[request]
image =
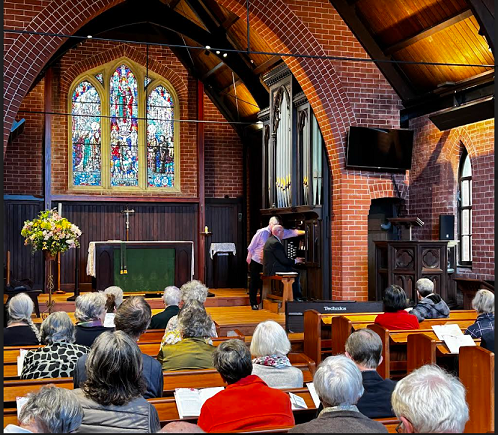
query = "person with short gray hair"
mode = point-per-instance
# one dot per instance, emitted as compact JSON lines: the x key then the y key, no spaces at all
{"x":117,"y":292}
{"x":364,"y":348}
{"x":484,"y":304}
{"x":171,"y":298}
{"x":247,"y":403}
{"x":20,"y":330}
{"x":269,"y":348}
{"x":90,"y":315}
{"x":430,"y":400}
{"x":192,"y":352}
{"x":339,"y":386}
{"x":49,"y":410}
{"x":59,"y":357}
{"x":429,"y":305}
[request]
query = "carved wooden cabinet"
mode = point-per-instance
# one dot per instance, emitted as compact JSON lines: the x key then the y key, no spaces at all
{"x":404,"y":262}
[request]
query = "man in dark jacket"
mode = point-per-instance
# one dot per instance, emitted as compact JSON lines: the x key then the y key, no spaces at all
{"x":364,"y":347}
{"x":132,"y":317}
{"x":171,"y":298}
{"x":276,"y":260}
{"x":430,"y":305}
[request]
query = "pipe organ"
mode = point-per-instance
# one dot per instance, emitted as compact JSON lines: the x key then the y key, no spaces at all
{"x":296,"y":178}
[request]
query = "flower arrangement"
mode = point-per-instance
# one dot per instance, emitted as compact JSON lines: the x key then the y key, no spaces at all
{"x":50,"y":232}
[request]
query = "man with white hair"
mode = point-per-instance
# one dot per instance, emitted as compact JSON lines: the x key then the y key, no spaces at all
{"x":430,"y":305}
{"x":171,"y":298}
{"x":338,"y":384}
{"x":255,"y":256}
{"x":430,"y":400}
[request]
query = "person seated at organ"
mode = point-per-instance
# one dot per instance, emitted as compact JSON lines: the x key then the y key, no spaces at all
{"x":191,"y":291}
{"x":171,"y":298}
{"x":247,"y":403}
{"x":484,"y":304}
{"x":364,"y":348}
{"x":394,"y":316}
{"x":132,"y":317}
{"x":90,"y":315}
{"x":20,"y":330}
{"x":112,"y":396}
{"x":269,"y":348}
{"x":49,"y":410}
{"x":192,"y":351}
{"x":429,"y":305}
{"x":58,"y":358}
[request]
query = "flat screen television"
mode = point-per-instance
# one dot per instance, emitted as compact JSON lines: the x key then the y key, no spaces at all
{"x":379,"y":149}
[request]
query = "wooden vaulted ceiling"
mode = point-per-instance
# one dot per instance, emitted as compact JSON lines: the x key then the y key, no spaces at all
{"x":443,"y":31}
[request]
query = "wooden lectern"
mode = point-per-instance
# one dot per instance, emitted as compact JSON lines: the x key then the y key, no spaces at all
{"x":406,"y":224}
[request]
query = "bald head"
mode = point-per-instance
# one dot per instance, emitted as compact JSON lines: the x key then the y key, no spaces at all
{"x":278,"y":231}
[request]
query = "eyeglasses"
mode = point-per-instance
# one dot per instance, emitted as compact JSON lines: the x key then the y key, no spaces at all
{"x":399,"y":427}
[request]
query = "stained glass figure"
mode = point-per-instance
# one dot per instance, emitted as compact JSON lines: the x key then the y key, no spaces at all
{"x":147,"y":81}
{"x":124,"y":127}
{"x":100,"y":77}
{"x":86,"y":135}
{"x":160,"y":139}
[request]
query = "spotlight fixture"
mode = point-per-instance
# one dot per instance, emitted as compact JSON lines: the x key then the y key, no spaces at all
{"x":208,"y":47}
{"x":225,"y":55}
{"x":89,"y":36}
{"x":217,"y":51}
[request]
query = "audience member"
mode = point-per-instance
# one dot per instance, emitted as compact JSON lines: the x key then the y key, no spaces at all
{"x":58,"y":358}
{"x":247,"y":403}
{"x":429,"y":400}
{"x":171,"y":298}
{"x":90,"y":315}
{"x":114,"y":296}
{"x":49,"y":410}
{"x":338,"y":384}
{"x":20,"y":330}
{"x":111,"y":397}
{"x":132,"y":317}
{"x":117,"y":292}
{"x":484,"y":304}
{"x":488,"y":340}
{"x":191,"y":291}
{"x":181,"y":427}
{"x":395,"y":316}
{"x":269,"y":348}
{"x":364,"y":347}
{"x":192,"y":352}
{"x":429,"y":305}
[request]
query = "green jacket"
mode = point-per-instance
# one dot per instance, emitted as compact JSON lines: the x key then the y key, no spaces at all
{"x":190,"y":353}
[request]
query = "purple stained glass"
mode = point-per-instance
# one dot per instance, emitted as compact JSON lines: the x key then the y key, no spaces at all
{"x":86,"y":135}
{"x":124,"y":127}
{"x":160,"y":139}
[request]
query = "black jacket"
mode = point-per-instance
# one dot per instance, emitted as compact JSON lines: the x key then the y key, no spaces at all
{"x":86,"y":335}
{"x":275,"y":259}
{"x":152,"y":374}
{"x":376,"y":400}
{"x":160,"y":320}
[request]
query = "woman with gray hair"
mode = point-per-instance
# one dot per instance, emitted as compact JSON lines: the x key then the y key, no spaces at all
{"x":90,"y":315}
{"x":191,"y":291}
{"x":192,"y":352}
{"x":339,"y":386}
{"x":484,"y":304}
{"x":20,"y":330}
{"x":114,"y":296}
{"x":59,"y":357}
{"x":269,"y":348}
{"x":171,"y":298}
{"x":49,"y":410}
{"x":112,"y":396}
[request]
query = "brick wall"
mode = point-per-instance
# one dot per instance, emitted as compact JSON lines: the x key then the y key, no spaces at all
{"x":434,"y":183}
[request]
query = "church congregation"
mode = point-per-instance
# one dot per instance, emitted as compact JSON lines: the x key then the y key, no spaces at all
{"x":248,"y":216}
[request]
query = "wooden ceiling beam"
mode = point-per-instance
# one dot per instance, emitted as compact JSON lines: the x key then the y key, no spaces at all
{"x":428,"y":32}
{"x":174,"y":4}
{"x":212,"y":71}
{"x":266,"y":65}
{"x":484,"y":11}
{"x":230,"y":87}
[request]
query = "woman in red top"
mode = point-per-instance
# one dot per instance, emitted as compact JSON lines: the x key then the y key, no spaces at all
{"x":395,"y":317}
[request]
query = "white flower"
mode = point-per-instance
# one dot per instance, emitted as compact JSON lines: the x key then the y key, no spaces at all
{"x":70,"y":242}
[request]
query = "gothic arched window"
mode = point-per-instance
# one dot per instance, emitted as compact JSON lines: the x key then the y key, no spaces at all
{"x":137,"y":145}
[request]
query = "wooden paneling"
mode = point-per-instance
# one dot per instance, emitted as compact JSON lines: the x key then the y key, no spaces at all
{"x":23,"y":264}
{"x":104,"y":221}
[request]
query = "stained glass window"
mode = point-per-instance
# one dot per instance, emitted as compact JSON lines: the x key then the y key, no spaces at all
{"x":100,"y":77}
{"x":160,"y":138}
{"x":86,"y":135}
{"x":124,"y":127}
{"x":147,"y":81}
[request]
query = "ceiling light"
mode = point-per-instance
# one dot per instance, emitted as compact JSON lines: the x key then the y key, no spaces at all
{"x":217,"y":51}
{"x":225,"y":55}
{"x":208,"y":47}
{"x":89,"y":36}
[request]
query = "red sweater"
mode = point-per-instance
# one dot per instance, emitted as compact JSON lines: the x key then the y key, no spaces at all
{"x":398,"y":320}
{"x":246,"y":405}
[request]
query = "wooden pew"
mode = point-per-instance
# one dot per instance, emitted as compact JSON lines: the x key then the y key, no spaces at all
{"x":477,"y":373}
{"x":390,"y":423}
{"x":152,"y":335}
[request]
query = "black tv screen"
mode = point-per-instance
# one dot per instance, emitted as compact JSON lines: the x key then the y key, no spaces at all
{"x":379,"y":149}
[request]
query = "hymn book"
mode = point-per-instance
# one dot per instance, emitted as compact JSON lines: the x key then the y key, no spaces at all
{"x":314,"y":395}
{"x":297,"y":402}
{"x":453,"y":337}
{"x":189,"y":401}
{"x":20,"y":360}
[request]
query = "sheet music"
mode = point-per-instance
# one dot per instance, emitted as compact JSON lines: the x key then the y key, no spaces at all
{"x":453,"y":337}
{"x":314,"y":395}
{"x":189,"y":401}
{"x":20,"y":361}
{"x":297,"y":402}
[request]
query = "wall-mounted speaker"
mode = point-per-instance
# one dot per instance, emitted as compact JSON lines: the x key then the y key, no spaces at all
{"x":446,"y":227}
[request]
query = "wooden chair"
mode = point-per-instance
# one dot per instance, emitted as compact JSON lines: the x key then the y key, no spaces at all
{"x":477,"y":373}
{"x":287,"y":294}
